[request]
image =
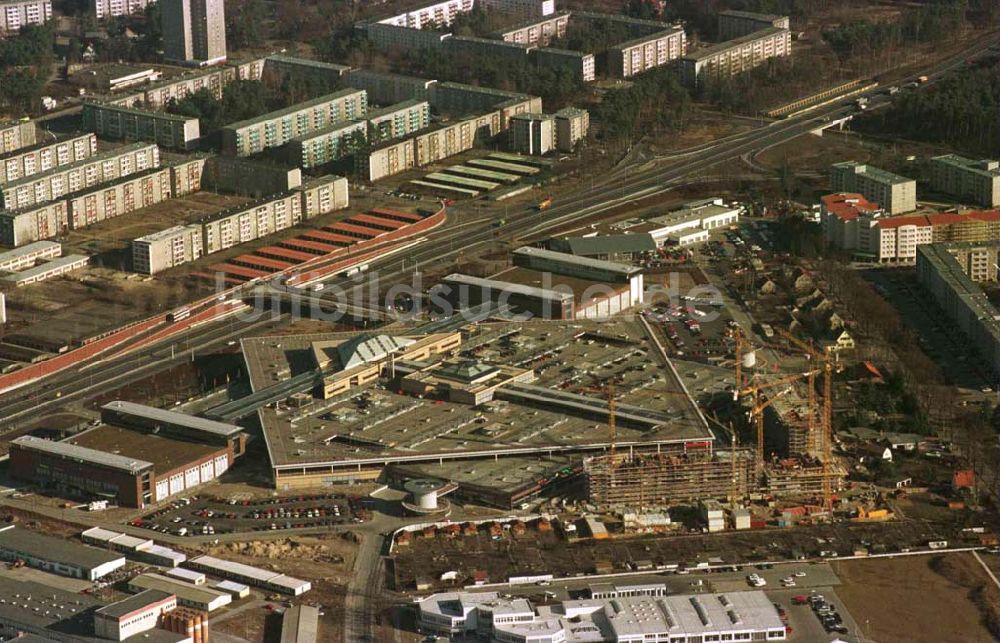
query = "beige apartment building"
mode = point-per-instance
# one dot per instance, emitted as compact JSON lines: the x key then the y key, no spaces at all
{"x":537,"y":31}
{"x":15,"y":14}
{"x":171,"y":131}
{"x":194,"y":31}
{"x":641,"y":54}
{"x":572,"y":125}
{"x":165,"y":249}
{"x":16,"y":134}
{"x":277,"y":128}
{"x":43,"y":157}
{"x":735,"y":56}
{"x":254,"y":220}
{"x":978,"y":182}
{"x":533,"y":134}
{"x":896,"y":194}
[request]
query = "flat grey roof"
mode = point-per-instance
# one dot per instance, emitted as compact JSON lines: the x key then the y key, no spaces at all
{"x":172,"y":417}
{"x":38,"y":545}
{"x":134,"y":603}
{"x":300,"y":625}
{"x":583,"y":262}
{"x":100,"y":157}
{"x":507,"y":286}
{"x":83,"y":454}
{"x":57,"y":608}
{"x":294,"y":109}
{"x":751,"y":15}
{"x":609,"y":244}
{"x":47,"y":267}
{"x":166,"y":116}
{"x":28,"y":249}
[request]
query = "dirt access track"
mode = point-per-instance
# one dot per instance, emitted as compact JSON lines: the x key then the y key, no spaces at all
{"x":945,"y":599}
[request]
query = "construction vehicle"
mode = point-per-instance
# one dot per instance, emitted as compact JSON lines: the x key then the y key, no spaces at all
{"x":544,"y":204}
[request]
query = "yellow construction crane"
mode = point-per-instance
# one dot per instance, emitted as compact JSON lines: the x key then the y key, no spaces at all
{"x":826,"y":418}
{"x":754,"y":389}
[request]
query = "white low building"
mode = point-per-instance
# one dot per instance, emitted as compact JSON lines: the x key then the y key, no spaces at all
{"x":691,"y":222}
{"x":733,"y":616}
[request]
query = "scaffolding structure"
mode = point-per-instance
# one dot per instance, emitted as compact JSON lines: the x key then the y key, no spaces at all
{"x":679,"y":475}
{"x":802,"y":476}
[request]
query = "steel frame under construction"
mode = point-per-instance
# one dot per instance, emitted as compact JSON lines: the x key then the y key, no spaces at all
{"x":673,"y":475}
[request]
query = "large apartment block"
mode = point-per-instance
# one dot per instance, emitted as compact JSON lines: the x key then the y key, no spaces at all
{"x":735,"y":56}
{"x":323,"y":194}
{"x":194,"y":31}
{"x":34,"y":223}
{"x":386,"y":89}
{"x":386,"y":36}
{"x":159,"y":94}
{"x":112,"y":8}
{"x":165,"y":249}
{"x":734,"y":24}
{"x":641,"y":54}
{"x":16,"y":134}
{"x":572,"y":125}
{"x":962,"y":299}
{"x":895,"y":193}
{"x":171,"y":131}
{"x":15,"y":14}
{"x":580,"y":64}
{"x":46,"y":156}
{"x":398,"y":120}
{"x":120,"y":197}
{"x":433,"y":15}
{"x":277,"y":128}
{"x":251,"y":221}
{"x":58,"y":182}
{"x":536,"y":31}
{"x":533,"y":133}
{"x":279,"y":68}
{"x":978,"y":182}
{"x":327,"y":145}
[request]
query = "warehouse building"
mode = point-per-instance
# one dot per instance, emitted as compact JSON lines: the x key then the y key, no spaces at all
{"x":265,"y":579}
{"x":536,"y":31}
{"x":133,"y":615}
{"x":466,"y":291}
{"x":188,"y":595}
{"x":15,"y":135}
{"x":532,"y":134}
{"x":570,"y":265}
{"x":692,"y":222}
{"x":398,"y":120}
{"x":73,"y":177}
{"x":118,"y":197}
{"x":15,"y":14}
{"x":896,"y":194}
{"x":167,"y":454}
{"x":150,"y":419}
{"x":171,"y":131}
{"x":735,"y":56}
{"x":300,"y":624}
{"x":141,"y":549}
{"x":977,"y":182}
{"x":47,"y":270}
{"x":56,"y":555}
{"x":613,"y":247}
{"x":735,"y":24}
{"x":579,"y":63}
{"x":733,"y":616}
{"x":274,"y":129}
{"x":165,"y":249}
{"x":29,"y":255}
{"x":45,"y":156}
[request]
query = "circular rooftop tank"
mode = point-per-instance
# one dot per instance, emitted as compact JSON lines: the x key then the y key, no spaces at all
{"x":424,"y":492}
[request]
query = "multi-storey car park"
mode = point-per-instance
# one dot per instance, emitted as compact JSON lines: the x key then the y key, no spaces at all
{"x":552,"y":405}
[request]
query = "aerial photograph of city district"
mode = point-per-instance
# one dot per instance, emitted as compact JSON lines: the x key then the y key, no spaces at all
{"x":499,"y":321}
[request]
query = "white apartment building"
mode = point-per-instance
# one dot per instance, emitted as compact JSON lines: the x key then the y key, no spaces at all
{"x":636,"y":56}
{"x":533,"y":133}
{"x":978,"y":182}
{"x":735,"y":56}
{"x":896,"y":194}
{"x":165,"y":249}
{"x":15,"y":14}
{"x":112,"y":8}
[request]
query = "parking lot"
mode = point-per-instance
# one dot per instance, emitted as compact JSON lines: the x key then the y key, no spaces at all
{"x":207,"y":516}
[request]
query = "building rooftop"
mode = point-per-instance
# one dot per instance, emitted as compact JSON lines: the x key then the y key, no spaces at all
{"x":848,"y":206}
{"x":165,"y":234}
{"x":95,"y":159}
{"x":705,"y":53}
{"x":167,"y":116}
{"x":608,"y":244}
{"x":763,"y":17}
{"x":982,"y":167}
{"x":31,"y":248}
{"x":874,"y":173}
{"x":524,"y":24}
{"x":62,"y":615}
{"x":173,"y":418}
{"x":165,"y":454}
{"x":625,"y":270}
{"x":965,"y":290}
{"x":46,"y":267}
{"x":181,"y":589}
{"x":84,"y":454}
{"x":141,"y":601}
{"x":669,"y":30}
{"x":70,"y":554}
{"x":307,"y":62}
{"x":294,"y":109}
{"x":48,"y":142}
{"x":396,"y":107}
